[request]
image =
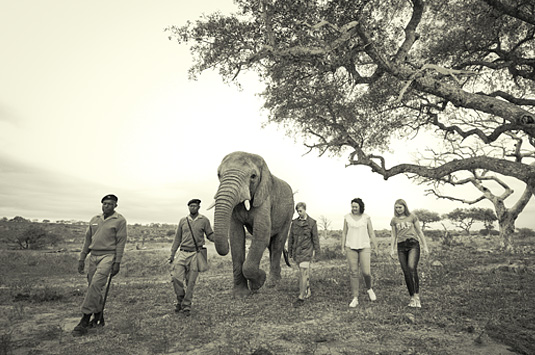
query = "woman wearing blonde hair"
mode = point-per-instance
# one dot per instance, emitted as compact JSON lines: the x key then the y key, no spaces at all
{"x":407,"y":236}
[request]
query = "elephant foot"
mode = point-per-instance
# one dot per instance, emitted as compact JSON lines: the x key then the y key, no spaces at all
{"x":259,"y":282}
{"x":273,"y":281}
{"x":241,"y":291}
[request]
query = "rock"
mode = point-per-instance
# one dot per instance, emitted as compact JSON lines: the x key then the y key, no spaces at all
{"x":409,"y":318}
{"x":437,"y":263}
{"x":512,"y":267}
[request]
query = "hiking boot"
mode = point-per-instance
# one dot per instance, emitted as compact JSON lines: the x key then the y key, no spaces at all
{"x":413,"y":303}
{"x":371,"y":295}
{"x":354,"y":303}
{"x":81,"y":328}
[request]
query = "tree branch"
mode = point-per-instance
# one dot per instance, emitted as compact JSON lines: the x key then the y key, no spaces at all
{"x":511,"y":11}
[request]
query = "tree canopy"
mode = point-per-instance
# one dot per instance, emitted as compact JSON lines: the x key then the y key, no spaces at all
{"x":352,"y":76}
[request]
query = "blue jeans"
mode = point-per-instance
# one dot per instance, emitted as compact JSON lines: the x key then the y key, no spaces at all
{"x":409,"y":255}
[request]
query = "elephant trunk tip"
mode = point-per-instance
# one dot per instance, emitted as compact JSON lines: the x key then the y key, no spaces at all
{"x":222,"y":248}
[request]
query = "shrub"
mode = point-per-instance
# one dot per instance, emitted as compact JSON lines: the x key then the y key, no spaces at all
{"x":36,"y":237}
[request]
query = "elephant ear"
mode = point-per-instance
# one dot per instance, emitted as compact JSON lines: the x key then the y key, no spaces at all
{"x":264,"y":186}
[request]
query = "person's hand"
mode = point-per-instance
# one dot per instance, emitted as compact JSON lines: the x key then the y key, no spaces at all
{"x":81,"y":266}
{"x":115,"y":268}
{"x":171,"y":259}
{"x":343,"y":251}
{"x":392,"y":253}
{"x":426,"y":250}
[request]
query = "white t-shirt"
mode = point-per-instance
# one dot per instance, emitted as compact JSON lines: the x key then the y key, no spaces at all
{"x":357,"y":232}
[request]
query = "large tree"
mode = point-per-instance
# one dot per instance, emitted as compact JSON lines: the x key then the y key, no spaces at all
{"x":354,"y":76}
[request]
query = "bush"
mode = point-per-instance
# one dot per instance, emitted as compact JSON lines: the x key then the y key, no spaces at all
{"x":35,"y":237}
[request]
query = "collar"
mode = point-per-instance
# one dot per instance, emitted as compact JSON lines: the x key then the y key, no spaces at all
{"x":199,"y":216}
{"x":113,"y":215}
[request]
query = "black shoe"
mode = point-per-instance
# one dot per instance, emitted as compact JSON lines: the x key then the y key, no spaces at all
{"x":81,"y":328}
{"x":187,"y":312}
{"x":178,"y":307}
{"x":299,"y":302}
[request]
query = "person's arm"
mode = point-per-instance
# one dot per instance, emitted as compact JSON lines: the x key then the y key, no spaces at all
{"x":344,"y":235}
{"x":420,"y":234}
{"x":208,"y":231}
{"x":121,"y":237}
{"x":393,"y":241}
{"x":176,"y":243}
{"x":87,"y":242}
{"x":290,"y":242}
{"x":316,"y":239}
{"x":85,"y":249}
{"x":371,"y":234}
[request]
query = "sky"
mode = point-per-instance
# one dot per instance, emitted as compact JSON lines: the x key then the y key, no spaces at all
{"x":95,"y":99}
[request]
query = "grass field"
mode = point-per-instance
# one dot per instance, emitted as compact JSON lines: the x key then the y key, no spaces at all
{"x":477,"y":302}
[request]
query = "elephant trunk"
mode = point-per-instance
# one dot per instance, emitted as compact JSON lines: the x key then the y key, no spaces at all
{"x":229,"y":194}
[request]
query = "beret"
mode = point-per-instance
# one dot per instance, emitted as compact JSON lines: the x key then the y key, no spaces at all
{"x":110,"y":197}
{"x":195,"y":200}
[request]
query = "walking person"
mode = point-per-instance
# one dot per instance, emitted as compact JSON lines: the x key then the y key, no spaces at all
{"x":407,"y":237}
{"x":356,"y":237}
{"x":189,"y":237}
{"x":105,"y":240}
{"x":303,"y":246}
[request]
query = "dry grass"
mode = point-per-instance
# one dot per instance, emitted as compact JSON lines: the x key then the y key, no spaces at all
{"x":468,"y":307}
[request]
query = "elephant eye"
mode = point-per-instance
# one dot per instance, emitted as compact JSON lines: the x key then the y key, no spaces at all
{"x":253,"y":176}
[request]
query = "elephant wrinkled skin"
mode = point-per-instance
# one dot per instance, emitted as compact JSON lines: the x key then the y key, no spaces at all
{"x":250,"y":196}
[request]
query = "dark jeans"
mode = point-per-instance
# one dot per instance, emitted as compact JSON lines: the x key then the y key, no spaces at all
{"x":409,"y":255}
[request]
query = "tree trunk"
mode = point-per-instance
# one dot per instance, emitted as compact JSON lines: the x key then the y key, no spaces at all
{"x":507,"y":229}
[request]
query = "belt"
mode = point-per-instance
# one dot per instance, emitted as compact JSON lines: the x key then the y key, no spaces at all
{"x":188,"y":250}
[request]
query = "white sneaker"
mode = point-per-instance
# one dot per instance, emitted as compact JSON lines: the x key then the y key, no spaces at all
{"x":417,"y":301}
{"x":354,"y":303}
{"x":372,"y":295}
{"x":412,"y":303}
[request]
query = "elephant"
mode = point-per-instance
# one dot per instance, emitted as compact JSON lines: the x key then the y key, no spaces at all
{"x":250,"y":197}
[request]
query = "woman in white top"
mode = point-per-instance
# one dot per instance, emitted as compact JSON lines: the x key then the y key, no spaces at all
{"x":356,"y":237}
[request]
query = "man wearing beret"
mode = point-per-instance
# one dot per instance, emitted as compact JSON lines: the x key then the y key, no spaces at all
{"x":105,"y":240}
{"x":182,"y":275}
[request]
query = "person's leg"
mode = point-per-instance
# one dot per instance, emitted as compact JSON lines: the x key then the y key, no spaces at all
{"x":178,"y":274}
{"x":191,"y":279}
{"x":353,"y":263}
{"x":412,"y":265}
{"x":365,"y":261}
{"x":303,"y":279}
{"x":99,"y":270}
{"x":403,"y":256}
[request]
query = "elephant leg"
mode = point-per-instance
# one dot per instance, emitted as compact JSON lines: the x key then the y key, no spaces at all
{"x":275,"y":252}
{"x":251,"y":267}
{"x":237,"y":248}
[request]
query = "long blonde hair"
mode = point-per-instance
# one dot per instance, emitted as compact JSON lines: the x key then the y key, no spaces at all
{"x":404,"y":204}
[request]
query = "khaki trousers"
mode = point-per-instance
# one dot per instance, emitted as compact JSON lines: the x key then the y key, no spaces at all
{"x":97,"y":276}
{"x":184,"y":278}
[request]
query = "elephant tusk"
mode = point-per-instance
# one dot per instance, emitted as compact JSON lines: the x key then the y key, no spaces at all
{"x":247,"y":205}
{"x":211,"y":206}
